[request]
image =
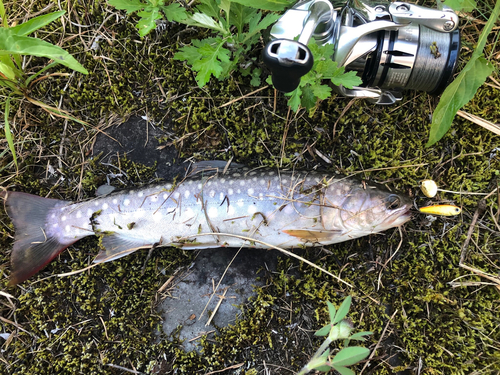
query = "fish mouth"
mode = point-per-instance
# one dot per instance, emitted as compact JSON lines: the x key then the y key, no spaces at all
{"x":399,"y":217}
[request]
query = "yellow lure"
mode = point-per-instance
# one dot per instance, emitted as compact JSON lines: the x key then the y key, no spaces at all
{"x":441,"y":209}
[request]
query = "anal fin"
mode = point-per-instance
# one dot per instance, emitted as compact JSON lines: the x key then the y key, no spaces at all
{"x":116,"y":246}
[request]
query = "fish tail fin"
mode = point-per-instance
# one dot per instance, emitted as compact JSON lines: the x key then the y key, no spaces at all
{"x":32,"y":249}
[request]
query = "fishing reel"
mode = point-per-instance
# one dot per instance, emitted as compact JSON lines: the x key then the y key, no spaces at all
{"x":392,"y":46}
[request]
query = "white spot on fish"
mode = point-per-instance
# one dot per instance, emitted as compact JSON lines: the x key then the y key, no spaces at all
{"x":252,"y":173}
{"x":177,"y":195}
{"x":140,"y":194}
{"x":242,"y":183}
{"x":212,"y":193}
{"x":262,"y":182}
{"x":105,"y":206}
{"x":222,"y":180}
{"x":271,"y":173}
{"x":115,"y":201}
{"x":189,"y":212}
{"x":96,"y":203}
{"x":209,"y":183}
{"x":230,"y":191}
{"x":154,"y":198}
{"x":63,"y":218}
{"x":165,"y":196}
{"x":89,"y":212}
{"x":79,"y":214}
{"x":250,"y":191}
{"x":190,"y":182}
{"x":221,"y":196}
{"x":230,"y":210}
{"x":254,"y":179}
{"x":212,"y":212}
{"x":284,"y":181}
{"x":236,"y":175}
{"x":126,"y":202}
{"x":53,"y":216}
{"x":67,"y":228}
{"x":231,"y":182}
{"x":308,"y":179}
{"x":240,"y":203}
{"x":200,"y":186}
{"x":238,"y":191}
{"x":186,"y":194}
{"x":261,"y":196}
{"x":252,"y":209}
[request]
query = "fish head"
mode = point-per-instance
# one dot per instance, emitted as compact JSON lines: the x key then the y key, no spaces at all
{"x":363,"y":208}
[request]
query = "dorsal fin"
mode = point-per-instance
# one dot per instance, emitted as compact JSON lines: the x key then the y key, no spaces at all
{"x":213,"y":166}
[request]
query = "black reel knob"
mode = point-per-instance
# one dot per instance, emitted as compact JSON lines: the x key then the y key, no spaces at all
{"x":289,"y":61}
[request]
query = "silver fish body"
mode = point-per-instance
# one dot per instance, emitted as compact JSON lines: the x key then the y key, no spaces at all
{"x":249,"y":208}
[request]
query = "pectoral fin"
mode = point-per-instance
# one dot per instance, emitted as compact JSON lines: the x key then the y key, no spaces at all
{"x":116,"y":246}
{"x":308,"y":235}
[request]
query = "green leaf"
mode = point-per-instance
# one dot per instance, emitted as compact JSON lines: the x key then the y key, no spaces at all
{"x":174,"y":12}
{"x":23,"y":45}
{"x":331,"y":311}
{"x":241,"y":16}
{"x":349,"y":79}
{"x":207,"y":57}
{"x":203,"y":20}
{"x":34,"y":24}
{"x":147,"y":21}
{"x":359,"y":335}
{"x":276,"y":5}
{"x":8,"y":68}
{"x":225,"y":5}
{"x":461,"y":5}
{"x":129,"y":5}
{"x":256,"y":25}
{"x":465,"y":86}
{"x":294,"y":100}
{"x":256,"y":81}
{"x":308,"y":99}
{"x":323,"y":331}
{"x":321,"y":91}
{"x":210,"y":8}
{"x":344,"y":371}
{"x":343,"y":310}
{"x":2,"y":15}
{"x":456,"y":95}
{"x":8,"y":133}
{"x":349,"y":356}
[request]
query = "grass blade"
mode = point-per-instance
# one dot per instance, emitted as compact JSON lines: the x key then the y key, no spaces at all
{"x":34,"y":24}
{"x":464,"y":87}
{"x":8,"y":134}
{"x":10,"y":43}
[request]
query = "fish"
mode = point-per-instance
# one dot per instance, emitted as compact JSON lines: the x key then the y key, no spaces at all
{"x":243,"y":207}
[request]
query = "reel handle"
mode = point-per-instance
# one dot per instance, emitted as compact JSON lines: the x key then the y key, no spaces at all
{"x":288,"y":61}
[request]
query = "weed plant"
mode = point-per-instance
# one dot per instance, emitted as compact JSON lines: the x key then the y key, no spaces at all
{"x":14,"y":81}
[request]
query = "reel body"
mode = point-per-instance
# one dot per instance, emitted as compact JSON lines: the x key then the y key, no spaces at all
{"x":392,"y":46}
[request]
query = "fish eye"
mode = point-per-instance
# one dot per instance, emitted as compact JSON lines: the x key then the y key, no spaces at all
{"x":393,"y":202}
